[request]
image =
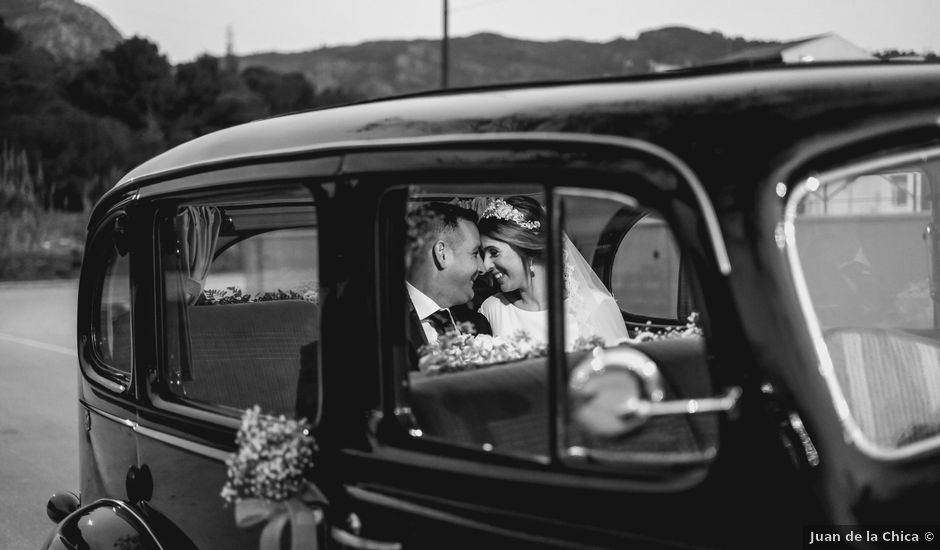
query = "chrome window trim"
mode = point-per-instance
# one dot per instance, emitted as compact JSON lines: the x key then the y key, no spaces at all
{"x":852,"y":432}
{"x":600,"y":194}
{"x":498,"y":138}
{"x":91,"y":363}
{"x":175,"y":441}
{"x":208,"y":412}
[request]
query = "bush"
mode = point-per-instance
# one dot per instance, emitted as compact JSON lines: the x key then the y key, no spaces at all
{"x":36,"y":245}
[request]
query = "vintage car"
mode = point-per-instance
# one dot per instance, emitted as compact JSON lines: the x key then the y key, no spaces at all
{"x":770,"y":235}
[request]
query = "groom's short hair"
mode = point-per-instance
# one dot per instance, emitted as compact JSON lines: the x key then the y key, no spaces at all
{"x":428,"y":221}
{"x":446,"y":216}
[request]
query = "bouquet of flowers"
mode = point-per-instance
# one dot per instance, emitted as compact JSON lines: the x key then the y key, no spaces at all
{"x":273,"y":456}
{"x":691,"y":329}
{"x":267,"y":478}
{"x":456,"y":352}
{"x":234,"y":295}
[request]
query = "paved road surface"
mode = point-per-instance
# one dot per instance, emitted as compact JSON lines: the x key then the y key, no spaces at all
{"x":38,"y":421}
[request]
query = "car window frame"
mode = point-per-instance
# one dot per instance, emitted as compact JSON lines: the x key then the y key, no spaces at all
{"x":409,"y":158}
{"x":793,"y":192}
{"x":160,"y":396}
{"x":609,"y":259}
{"x":101,"y":245}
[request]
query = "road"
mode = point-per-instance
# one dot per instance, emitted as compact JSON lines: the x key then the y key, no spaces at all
{"x":38,"y":392}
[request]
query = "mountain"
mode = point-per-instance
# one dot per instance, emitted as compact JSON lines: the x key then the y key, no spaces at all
{"x":388,"y":67}
{"x":72,"y":31}
{"x":64,"y":28}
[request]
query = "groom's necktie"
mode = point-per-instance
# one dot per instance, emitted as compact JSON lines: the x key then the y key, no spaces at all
{"x":442,"y":321}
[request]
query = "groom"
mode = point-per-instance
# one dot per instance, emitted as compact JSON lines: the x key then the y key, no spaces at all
{"x":442,"y":263}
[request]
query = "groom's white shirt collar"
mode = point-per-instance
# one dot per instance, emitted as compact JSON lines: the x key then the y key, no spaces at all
{"x":424,"y":305}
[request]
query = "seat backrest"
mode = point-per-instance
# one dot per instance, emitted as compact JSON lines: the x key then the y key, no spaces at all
{"x":890,"y":379}
{"x":253,"y":353}
{"x":503,"y":406}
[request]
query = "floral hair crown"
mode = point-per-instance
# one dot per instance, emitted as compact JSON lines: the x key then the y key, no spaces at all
{"x":502,"y":210}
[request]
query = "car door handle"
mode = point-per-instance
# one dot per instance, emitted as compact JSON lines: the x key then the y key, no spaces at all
{"x":355,"y":541}
{"x":645,"y":409}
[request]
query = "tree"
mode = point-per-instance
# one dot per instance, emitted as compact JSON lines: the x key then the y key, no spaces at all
{"x":9,"y":39}
{"x":233,"y":107}
{"x":27,"y":76}
{"x":283,"y":93}
{"x":197,"y":85}
{"x":131,"y":82}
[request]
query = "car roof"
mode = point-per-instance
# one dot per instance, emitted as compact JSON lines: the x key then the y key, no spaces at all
{"x":682,"y":112}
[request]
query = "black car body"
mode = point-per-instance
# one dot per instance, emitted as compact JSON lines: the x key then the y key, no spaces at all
{"x":792,"y":408}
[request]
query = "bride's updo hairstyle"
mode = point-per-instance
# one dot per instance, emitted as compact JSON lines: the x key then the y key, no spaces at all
{"x":517,"y":221}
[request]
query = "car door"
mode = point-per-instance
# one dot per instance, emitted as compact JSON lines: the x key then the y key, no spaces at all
{"x":518,"y":454}
{"x":236,"y":320}
{"x":860,"y":237}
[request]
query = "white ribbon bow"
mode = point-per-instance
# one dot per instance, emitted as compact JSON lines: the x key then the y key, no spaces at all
{"x":301,"y":512}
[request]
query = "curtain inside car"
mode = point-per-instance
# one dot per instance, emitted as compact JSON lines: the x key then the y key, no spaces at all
{"x":196,"y":231}
{"x":197,"y":228}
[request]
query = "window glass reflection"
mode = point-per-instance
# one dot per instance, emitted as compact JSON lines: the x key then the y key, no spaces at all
{"x":113,"y":333}
{"x":866,"y":246}
{"x":242,"y":294}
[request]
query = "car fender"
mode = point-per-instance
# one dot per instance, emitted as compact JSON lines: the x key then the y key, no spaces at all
{"x":108,"y":524}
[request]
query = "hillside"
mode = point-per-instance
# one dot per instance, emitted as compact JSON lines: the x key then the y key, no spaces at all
{"x":71,"y":31}
{"x":64,"y":28}
{"x":389,"y":67}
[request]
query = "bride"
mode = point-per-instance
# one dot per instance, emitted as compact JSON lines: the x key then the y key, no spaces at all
{"x":514,"y":253}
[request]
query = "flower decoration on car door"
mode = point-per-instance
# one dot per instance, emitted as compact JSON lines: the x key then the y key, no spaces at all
{"x":267,"y":479}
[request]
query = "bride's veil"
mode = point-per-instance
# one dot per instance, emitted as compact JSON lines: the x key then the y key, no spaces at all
{"x":587,"y":300}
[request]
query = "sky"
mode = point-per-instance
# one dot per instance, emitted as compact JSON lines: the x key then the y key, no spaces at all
{"x":185,"y":29}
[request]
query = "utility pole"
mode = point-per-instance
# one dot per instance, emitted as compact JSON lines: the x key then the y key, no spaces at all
{"x":231,"y":64}
{"x":444,"y":53}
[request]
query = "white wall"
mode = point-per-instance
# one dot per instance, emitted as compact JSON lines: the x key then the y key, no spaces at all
{"x":826,"y":48}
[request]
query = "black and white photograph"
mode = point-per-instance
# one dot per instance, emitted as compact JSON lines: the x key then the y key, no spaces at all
{"x":483,"y":274}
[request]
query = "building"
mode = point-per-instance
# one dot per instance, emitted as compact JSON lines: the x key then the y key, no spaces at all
{"x":825,"y":47}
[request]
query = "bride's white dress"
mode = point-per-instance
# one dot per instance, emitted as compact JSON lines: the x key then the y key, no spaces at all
{"x":603,"y":320}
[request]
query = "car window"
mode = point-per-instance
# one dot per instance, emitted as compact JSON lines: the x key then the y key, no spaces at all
{"x":478,"y":373}
{"x":112,"y":328}
{"x":864,"y":243}
{"x":241,"y":304}
{"x":647,"y":270}
{"x":489,"y":390}
{"x":616,"y":369}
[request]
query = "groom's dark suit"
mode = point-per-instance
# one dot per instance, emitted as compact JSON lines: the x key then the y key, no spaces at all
{"x":461,"y":313}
